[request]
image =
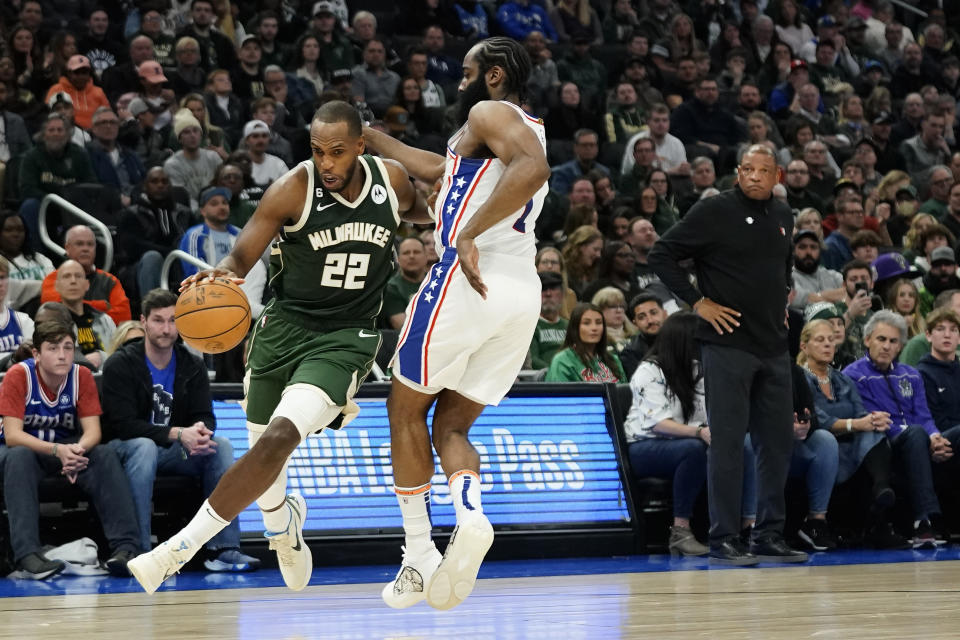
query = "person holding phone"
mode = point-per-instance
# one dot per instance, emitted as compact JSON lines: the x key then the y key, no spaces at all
{"x":856,"y":307}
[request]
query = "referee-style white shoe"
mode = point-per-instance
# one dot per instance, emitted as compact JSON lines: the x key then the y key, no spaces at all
{"x":410,"y":585}
{"x":293,"y":554}
{"x":457,"y":573}
{"x":152,"y":568}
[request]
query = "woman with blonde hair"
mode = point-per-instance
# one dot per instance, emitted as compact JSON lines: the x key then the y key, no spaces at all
{"x":809,"y":220}
{"x":582,"y":254}
{"x":127,"y":331}
{"x":853,"y":122}
{"x":903,"y":297}
{"x":913,"y":238}
{"x":574,"y":19}
{"x":550,"y":259}
{"x":613,"y":304}
{"x":214,"y":137}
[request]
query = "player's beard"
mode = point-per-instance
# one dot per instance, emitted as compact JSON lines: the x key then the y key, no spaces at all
{"x":347,"y":177}
{"x":471,"y":95}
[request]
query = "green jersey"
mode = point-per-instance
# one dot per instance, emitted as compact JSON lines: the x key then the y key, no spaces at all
{"x":329,"y":269}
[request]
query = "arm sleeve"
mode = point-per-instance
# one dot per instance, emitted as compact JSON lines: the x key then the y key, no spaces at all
{"x":536,"y":360}
{"x":13,"y":393}
{"x":88,"y":402}
{"x":650,"y":397}
{"x":562,"y":368}
{"x":48,"y":291}
{"x":684,"y":240}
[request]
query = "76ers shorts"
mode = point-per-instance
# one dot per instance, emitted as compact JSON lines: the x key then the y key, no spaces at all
{"x":454,"y":339}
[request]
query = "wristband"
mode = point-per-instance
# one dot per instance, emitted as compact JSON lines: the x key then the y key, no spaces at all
{"x":699,"y":429}
{"x":54,"y":453}
{"x":183,"y":450}
{"x":849,"y":425}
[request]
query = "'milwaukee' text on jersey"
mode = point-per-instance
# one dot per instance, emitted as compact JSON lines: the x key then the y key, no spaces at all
{"x":351,"y":231}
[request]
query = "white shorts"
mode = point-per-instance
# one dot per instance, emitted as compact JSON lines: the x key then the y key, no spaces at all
{"x":454,"y":339}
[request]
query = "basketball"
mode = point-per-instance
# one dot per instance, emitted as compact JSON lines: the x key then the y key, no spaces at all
{"x":213,"y":316}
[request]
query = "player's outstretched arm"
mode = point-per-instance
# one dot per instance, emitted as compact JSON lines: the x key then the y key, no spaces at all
{"x":421,"y":164}
{"x":411,"y":203}
{"x":501,"y":129}
{"x":281,"y":204}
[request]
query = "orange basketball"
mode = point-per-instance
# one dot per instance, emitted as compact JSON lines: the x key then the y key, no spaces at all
{"x":213,"y":316}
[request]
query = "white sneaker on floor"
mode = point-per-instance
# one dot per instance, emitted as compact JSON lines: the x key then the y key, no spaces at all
{"x":293,"y":554}
{"x":152,"y":568}
{"x":410,"y":585}
{"x":457,"y":573}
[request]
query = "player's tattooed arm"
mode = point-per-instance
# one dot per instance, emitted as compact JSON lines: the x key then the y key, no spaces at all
{"x":421,"y":164}
{"x":411,"y":203}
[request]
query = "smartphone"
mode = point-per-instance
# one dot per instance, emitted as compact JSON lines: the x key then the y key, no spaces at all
{"x":860,"y":286}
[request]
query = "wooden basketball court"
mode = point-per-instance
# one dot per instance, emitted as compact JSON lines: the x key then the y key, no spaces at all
{"x":917,"y":599}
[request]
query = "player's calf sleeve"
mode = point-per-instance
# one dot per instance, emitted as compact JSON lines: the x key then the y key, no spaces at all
{"x":274,"y":518}
{"x":465,"y":489}
{"x":415,"y":508}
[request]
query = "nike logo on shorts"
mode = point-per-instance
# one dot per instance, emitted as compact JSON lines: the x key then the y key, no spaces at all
{"x":364,"y":334}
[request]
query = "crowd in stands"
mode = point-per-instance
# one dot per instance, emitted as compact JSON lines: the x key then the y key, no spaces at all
{"x":170,"y":118}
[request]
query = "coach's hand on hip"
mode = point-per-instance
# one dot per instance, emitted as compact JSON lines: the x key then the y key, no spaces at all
{"x":209,"y":274}
{"x":723,"y":319}
{"x":470,"y":263}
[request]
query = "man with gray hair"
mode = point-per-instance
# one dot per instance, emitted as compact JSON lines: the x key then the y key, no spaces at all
{"x":703,"y":175}
{"x":940,"y":179}
{"x":114,"y":164}
{"x":897,"y":389}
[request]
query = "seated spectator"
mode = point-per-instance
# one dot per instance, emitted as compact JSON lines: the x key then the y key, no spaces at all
{"x":192,"y":167}
{"x":265,"y":110}
{"x":159,"y":419}
{"x":551,"y":327}
{"x":404,"y":284}
{"x":27,"y":268}
{"x":940,"y":180}
{"x":15,"y":326}
{"x":139,"y":133}
{"x":615,"y":269}
{"x":124,"y":77}
{"x":152,"y":226}
{"x":306,"y":62}
{"x":265,"y":167}
{"x":16,"y":140}
{"x":51,"y":165}
{"x":941,"y":277}
{"x":213,"y":239}
{"x":114,"y":164}
{"x":569,"y":115}
{"x":586,"y":147}
{"x":809,"y":219}
{"x":216,"y":49}
{"x":927,"y":148}
{"x":84,"y":94}
{"x":644,"y":154}
{"x":705,"y":127}
{"x":153,"y":25}
{"x":613,"y":305}
{"x":916,"y":225}
{"x":856,"y":307}
{"x":94,"y":328}
{"x":919,"y":346}
{"x":585,"y":356}
{"x":581,"y":253}
{"x":941,"y":371}
{"x":951,"y":219}
{"x":187,"y":76}
{"x":812,"y":281}
{"x":859,"y":433}
{"x":223,"y":106}
{"x":579,"y":66}
{"x":126,"y":332}
{"x":667,"y":431}
{"x":364,"y":25}
{"x":683,"y":85}
{"x":704,"y":178}
{"x":667,"y":199}
{"x":865,"y":245}
{"x":244,"y":200}
{"x":917,"y":443}
{"x":903,"y":298}
{"x":624,"y":117}
{"x":550,"y":260}
{"x":850,"y":217}
{"x":799,"y":196}
{"x":105,"y":293}
{"x":336,"y":50}
{"x":214,"y":138}
{"x":373,"y":83}
{"x":518,"y":18}
{"x":823,"y":176}
{"x":247,"y":77}
{"x":59,"y":437}
{"x":887,"y":269}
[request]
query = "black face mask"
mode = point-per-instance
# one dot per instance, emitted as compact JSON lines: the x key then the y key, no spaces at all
{"x":475,"y":92}
{"x":807,"y":265}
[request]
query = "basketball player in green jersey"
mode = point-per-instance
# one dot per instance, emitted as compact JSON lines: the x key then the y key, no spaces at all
{"x":335,"y":217}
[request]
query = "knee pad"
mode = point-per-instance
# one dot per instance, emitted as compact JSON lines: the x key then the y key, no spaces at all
{"x":309,"y":408}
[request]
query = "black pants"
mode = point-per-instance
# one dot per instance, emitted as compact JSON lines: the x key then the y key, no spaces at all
{"x":103,"y":480}
{"x":747,"y":392}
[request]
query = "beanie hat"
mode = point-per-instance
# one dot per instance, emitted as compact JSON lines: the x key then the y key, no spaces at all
{"x":183,"y":119}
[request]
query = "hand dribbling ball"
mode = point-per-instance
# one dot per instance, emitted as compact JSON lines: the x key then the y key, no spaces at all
{"x":213,"y":316}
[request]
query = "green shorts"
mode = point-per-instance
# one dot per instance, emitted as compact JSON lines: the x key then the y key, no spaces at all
{"x":282,"y":353}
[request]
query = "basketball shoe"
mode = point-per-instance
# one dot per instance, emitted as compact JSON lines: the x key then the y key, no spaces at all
{"x":410,"y":585}
{"x":293,"y":554}
{"x":457,"y":573}
{"x":152,"y":568}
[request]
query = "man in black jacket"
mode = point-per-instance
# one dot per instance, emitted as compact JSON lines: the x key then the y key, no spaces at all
{"x":216,"y":50}
{"x":705,"y":127}
{"x":159,"y":418}
{"x":741,"y":248}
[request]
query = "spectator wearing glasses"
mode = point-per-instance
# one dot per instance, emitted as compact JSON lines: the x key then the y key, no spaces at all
{"x":114,"y":164}
{"x":798,"y":195}
{"x":941,"y":181}
{"x":586,"y":147}
{"x":187,"y":76}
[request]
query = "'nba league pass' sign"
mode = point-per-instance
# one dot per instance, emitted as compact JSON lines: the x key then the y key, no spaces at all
{"x":545,"y":460}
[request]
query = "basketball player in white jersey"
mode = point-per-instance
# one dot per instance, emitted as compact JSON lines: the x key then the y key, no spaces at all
{"x":469,"y":326}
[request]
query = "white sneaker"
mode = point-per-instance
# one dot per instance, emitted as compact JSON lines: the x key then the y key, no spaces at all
{"x":457,"y":573}
{"x":410,"y":585}
{"x":293,"y":554}
{"x":152,"y":568}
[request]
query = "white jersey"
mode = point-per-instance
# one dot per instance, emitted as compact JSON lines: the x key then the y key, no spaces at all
{"x":468,"y":182}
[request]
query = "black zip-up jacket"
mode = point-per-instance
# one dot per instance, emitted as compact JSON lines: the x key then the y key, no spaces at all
{"x":941,"y":383}
{"x":742,"y":251}
{"x":128,"y":395}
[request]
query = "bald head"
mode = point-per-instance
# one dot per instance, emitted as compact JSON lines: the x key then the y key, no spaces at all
{"x":71,"y":283}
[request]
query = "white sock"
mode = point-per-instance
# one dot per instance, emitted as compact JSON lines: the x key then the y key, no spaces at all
{"x":277,"y":520}
{"x":465,"y":489}
{"x":415,"y":508}
{"x":206,"y":524}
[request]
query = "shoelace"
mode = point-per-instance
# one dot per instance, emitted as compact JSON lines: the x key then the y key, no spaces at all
{"x":281,"y":544}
